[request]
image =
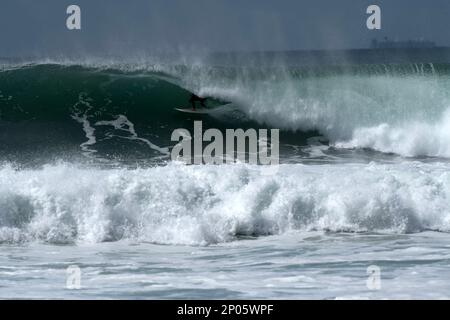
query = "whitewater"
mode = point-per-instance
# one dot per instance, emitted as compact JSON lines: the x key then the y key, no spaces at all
{"x":86,"y":179}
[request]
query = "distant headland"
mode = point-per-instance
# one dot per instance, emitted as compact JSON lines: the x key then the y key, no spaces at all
{"x":409,"y":44}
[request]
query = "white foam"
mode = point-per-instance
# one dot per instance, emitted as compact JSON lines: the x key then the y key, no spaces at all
{"x":199,"y":205}
{"x":411,"y":139}
{"x":81,"y":110}
{"x":404,"y":114}
{"x":122,"y":123}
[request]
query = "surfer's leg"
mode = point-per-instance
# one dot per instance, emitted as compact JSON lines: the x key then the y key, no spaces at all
{"x":193,"y":105}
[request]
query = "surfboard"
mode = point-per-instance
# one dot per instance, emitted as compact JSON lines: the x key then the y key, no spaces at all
{"x":204,"y":110}
{"x":197,"y":111}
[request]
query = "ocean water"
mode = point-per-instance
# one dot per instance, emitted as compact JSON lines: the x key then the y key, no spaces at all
{"x":295,"y":265}
{"x":358,"y":207}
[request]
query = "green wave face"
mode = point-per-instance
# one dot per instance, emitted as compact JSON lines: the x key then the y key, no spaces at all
{"x":43,"y":108}
{"x":49,"y":92}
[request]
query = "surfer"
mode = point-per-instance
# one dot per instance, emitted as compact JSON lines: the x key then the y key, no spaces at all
{"x":195,"y":98}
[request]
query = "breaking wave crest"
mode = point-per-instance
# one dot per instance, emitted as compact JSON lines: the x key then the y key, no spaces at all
{"x":193,"y":205}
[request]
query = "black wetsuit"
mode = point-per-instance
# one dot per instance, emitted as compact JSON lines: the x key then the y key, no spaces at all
{"x":195,"y":98}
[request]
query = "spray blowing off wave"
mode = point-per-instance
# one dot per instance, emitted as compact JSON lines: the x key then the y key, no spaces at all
{"x":404,"y":113}
{"x":180,"y":204}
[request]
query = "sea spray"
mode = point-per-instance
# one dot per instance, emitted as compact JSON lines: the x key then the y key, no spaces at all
{"x":196,"y":205}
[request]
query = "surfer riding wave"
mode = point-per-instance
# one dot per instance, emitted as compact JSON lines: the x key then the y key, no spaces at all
{"x":194,"y":98}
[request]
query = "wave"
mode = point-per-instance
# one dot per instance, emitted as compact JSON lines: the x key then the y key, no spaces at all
{"x":399,"y":109}
{"x":193,"y":205}
{"x":410,"y":139}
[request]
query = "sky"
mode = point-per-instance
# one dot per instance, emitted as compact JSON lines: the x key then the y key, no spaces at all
{"x":117,"y":27}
